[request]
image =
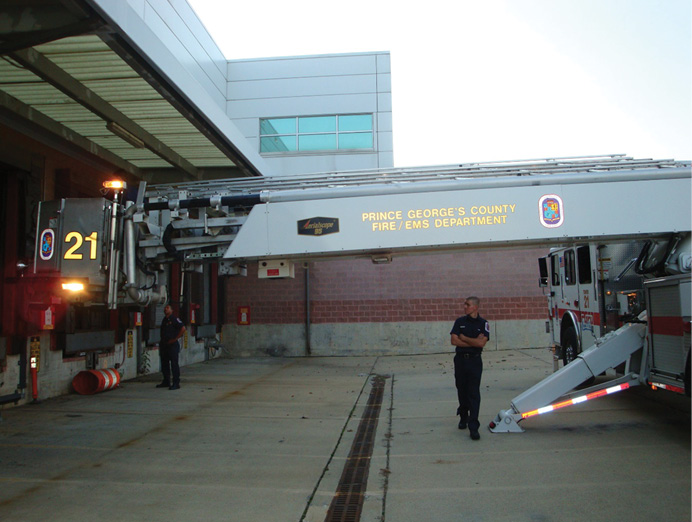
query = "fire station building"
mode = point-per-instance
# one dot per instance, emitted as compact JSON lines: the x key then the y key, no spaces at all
{"x":138,"y":90}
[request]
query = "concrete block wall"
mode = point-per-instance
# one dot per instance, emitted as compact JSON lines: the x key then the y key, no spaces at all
{"x":56,"y":372}
{"x":407,"y":306}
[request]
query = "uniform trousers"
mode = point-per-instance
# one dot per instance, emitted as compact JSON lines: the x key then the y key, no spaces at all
{"x":169,"y":362}
{"x":467,"y":376}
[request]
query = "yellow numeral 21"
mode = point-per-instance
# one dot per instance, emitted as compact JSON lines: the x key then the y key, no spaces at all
{"x":78,"y":241}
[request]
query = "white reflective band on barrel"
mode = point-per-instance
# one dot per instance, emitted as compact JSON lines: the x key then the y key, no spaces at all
{"x":110,"y":378}
{"x":107,"y":378}
{"x":576,"y":400}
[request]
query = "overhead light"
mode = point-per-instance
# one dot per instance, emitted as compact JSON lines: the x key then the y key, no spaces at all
{"x":120,"y":132}
{"x":381,"y":259}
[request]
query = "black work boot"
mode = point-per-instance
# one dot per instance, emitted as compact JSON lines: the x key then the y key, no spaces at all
{"x":462,"y":420}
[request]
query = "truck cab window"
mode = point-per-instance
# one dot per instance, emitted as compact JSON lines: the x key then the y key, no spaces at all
{"x":570,"y":268}
{"x":543,"y":270}
{"x":555,"y":270}
{"x":584,"y":265}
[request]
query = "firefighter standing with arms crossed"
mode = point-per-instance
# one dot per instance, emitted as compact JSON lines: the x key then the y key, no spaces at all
{"x":470,"y":333}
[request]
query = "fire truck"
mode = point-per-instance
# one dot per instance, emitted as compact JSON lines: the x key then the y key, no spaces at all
{"x":635,"y":329}
{"x":119,"y":250}
{"x":595,"y":288}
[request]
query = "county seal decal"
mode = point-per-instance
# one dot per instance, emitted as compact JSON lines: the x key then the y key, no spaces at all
{"x":47,"y":244}
{"x":551,"y":211}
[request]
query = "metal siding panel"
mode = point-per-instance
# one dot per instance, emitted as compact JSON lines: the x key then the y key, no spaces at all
{"x":180,"y":30}
{"x":384,"y":63}
{"x":384,"y":102}
{"x":249,"y":127}
{"x":300,"y":87}
{"x":343,"y":104}
{"x":311,"y":163}
{"x":214,"y":87}
{"x":138,"y":6}
{"x":385,"y":159}
{"x":384,"y":122}
{"x":302,"y":67}
{"x":384,"y":83}
{"x":385,"y":141}
{"x":197,"y":28}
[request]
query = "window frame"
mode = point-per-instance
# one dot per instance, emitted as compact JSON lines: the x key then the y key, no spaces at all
{"x":584,"y":265}
{"x":310,"y":135}
{"x":570,"y":268}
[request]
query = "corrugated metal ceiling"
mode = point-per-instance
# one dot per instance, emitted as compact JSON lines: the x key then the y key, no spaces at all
{"x":93,"y":64}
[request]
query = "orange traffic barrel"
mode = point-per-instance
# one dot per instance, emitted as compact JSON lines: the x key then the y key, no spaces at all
{"x":88,"y":382}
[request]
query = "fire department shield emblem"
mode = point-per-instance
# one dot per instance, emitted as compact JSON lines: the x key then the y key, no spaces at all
{"x":551,"y":211}
{"x":47,"y":244}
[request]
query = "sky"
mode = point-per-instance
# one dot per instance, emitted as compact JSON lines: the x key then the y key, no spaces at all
{"x":498,"y":80}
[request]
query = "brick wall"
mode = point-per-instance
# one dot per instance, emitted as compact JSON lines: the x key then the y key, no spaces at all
{"x":411,"y":288}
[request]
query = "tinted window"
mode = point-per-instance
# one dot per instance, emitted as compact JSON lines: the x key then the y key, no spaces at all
{"x":570,"y":268}
{"x":555,"y":269}
{"x":584,"y":265}
{"x":307,"y":133}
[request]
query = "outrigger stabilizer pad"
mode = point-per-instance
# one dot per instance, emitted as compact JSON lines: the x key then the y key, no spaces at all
{"x":506,"y":421}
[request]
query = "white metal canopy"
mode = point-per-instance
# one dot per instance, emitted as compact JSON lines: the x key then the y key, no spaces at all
{"x":79,"y":82}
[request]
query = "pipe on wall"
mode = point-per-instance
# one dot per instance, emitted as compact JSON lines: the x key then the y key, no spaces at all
{"x":308,"y":348}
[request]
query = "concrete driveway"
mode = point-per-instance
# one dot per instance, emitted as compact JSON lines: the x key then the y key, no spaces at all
{"x":272,"y":440}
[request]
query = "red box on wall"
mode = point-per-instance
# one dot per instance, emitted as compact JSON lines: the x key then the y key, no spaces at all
{"x":243,"y":315}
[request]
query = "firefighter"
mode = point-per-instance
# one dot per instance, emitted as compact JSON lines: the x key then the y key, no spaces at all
{"x":469,"y":335}
{"x":172,"y":329}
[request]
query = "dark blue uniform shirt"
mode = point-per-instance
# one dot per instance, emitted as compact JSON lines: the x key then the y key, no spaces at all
{"x":470,"y":327}
{"x":170,"y":327}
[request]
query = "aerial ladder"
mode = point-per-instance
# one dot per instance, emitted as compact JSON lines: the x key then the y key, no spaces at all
{"x":120,"y":247}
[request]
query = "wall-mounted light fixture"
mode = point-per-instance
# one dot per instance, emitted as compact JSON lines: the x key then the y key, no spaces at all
{"x":381,"y":259}
{"x":126,"y":135}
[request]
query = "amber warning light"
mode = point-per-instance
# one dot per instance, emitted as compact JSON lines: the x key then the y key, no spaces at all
{"x":73,"y":286}
{"x":115,"y":185}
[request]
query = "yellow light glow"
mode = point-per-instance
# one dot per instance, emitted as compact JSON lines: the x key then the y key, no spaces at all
{"x":73,"y":287}
{"x":115,"y":184}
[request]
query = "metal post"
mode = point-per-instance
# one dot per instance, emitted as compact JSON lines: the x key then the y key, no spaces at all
{"x":308,"y":348}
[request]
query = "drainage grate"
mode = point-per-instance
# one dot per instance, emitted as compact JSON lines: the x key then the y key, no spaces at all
{"x":347,"y":503}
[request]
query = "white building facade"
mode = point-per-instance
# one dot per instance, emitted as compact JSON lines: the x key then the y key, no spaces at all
{"x":308,"y":114}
